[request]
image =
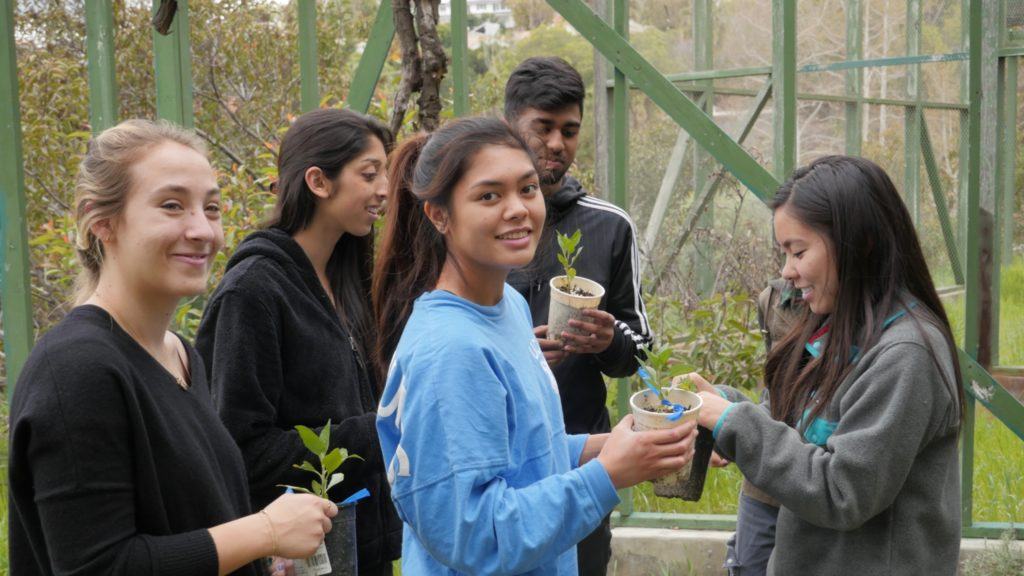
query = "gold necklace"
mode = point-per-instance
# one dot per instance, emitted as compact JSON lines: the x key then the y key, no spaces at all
{"x":181,"y":380}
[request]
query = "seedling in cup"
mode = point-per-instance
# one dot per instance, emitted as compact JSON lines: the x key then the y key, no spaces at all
{"x":571,"y":294}
{"x":330,"y":461}
{"x":657,"y":372}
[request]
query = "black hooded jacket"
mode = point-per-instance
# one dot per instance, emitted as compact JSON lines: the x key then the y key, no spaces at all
{"x":609,"y":257}
{"x":278,"y":355}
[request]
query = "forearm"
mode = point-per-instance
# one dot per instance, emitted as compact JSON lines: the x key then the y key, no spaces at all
{"x":242,"y":541}
{"x":592,"y":447}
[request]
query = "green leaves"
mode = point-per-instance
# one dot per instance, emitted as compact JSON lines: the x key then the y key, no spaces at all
{"x":569,"y":251}
{"x":330,"y":460}
{"x":662,"y":366}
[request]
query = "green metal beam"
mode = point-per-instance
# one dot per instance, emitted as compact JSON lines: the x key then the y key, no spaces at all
{"x":14,"y":262}
{"x":854,"y":78}
{"x":815,"y":97}
{"x":665,"y":95}
{"x":703,"y":59}
{"x":99,"y":25}
{"x":460,"y":70}
{"x":620,"y":108}
{"x":912,"y":116}
{"x":987,"y":390}
{"x":173,"y":69}
{"x":784,"y":87}
{"x":1007,"y":163}
{"x":309,"y":78}
{"x":375,"y":54}
{"x":931,"y":168}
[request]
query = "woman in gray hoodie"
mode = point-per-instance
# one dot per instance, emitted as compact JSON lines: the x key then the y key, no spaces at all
{"x":859,"y":444}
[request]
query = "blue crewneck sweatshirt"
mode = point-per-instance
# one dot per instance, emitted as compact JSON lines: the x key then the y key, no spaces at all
{"x":482,"y":471}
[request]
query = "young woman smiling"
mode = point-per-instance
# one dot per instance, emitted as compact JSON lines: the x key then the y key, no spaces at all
{"x":482,"y":471}
{"x":118,"y":463}
{"x":860,"y":443}
{"x":287,"y":331}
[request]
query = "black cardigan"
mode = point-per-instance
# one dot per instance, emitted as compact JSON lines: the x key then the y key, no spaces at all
{"x":278,"y":356}
{"x":114,"y":468}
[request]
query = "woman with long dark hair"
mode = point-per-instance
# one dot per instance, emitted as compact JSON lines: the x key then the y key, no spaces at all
{"x":483,"y":473}
{"x":287,"y":333}
{"x":866,"y":397}
{"x":118,"y":463}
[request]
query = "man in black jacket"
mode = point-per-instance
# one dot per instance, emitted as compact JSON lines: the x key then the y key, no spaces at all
{"x":544,"y":103}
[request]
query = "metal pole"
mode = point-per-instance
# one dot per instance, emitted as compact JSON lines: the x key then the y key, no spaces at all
{"x":14,"y":265}
{"x":460,"y":71}
{"x":364,"y":81}
{"x":99,"y":25}
{"x":703,"y":45}
{"x":854,"y":76}
{"x":173,"y":69}
{"x":1008,"y":161}
{"x":784,"y":86}
{"x":620,"y":114}
{"x":912,"y":116}
{"x":309,"y":81}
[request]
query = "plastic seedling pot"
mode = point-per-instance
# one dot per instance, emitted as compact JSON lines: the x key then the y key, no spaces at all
{"x":566,"y":306}
{"x":338,"y":555}
{"x":688,"y":482}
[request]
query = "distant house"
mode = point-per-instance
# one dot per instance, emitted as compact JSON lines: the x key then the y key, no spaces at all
{"x":495,"y":10}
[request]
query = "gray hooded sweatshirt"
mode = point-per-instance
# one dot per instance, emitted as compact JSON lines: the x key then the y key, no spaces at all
{"x":872,"y":486}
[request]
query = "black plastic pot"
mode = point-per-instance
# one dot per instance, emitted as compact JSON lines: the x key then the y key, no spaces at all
{"x":694,"y":485}
{"x":340,"y":544}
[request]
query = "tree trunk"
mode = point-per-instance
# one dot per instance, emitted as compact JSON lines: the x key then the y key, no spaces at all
{"x":424,"y":63}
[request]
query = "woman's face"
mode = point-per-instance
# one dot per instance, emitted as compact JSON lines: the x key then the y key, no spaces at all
{"x":810,"y":264}
{"x":164,"y":241}
{"x":496,"y":212}
{"x":356,"y":196}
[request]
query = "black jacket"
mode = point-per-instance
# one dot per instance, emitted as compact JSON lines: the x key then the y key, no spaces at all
{"x":114,"y":468}
{"x":610,"y":258}
{"x":278,"y":356}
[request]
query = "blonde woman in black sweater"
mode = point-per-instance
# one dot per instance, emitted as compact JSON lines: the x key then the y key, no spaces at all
{"x":118,"y":462}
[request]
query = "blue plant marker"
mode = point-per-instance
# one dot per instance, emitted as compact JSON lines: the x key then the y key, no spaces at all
{"x":354,"y":498}
{"x":677,"y":409}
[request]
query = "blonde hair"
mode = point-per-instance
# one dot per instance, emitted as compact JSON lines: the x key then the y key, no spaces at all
{"x":104,"y":180}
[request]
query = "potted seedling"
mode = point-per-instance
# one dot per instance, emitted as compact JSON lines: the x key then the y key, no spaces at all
{"x":570,"y":294}
{"x":337,"y":554}
{"x":659,"y":405}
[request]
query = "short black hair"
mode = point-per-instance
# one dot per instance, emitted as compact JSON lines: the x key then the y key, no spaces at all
{"x":547,"y":83}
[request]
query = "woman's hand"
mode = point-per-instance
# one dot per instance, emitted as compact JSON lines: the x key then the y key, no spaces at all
{"x":299,"y":522}
{"x":713,"y":405}
{"x":632,"y":457}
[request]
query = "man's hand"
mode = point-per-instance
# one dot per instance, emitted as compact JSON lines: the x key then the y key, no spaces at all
{"x":597,"y":333}
{"x":552,"y":349}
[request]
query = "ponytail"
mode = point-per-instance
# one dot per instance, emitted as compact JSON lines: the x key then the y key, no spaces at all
{"x":412,"y":253}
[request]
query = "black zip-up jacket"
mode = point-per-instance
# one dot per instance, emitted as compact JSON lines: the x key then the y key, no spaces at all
{"x":278,"y":356}
{"x":609,"y":257}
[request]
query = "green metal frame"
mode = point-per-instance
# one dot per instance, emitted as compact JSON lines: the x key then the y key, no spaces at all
{"x":309,"y":76}
{"x":173,"y":69}
{"x":978,"y":232}
{"x":14,"y":266}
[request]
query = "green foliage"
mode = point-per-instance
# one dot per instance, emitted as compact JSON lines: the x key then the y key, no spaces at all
{"x":662,"y":366}
{"x":568,"y":251}
{"x":326,"y":475}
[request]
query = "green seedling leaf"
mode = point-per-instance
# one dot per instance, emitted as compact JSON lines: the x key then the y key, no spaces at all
{"x":295,"y":488}
{"x":318,"y":489}
{"x":335,"y":480}
{"x":307,"y":467}
{"x":332,"y":461}
{"x":311,"y":440}
{"x":325,"y":435}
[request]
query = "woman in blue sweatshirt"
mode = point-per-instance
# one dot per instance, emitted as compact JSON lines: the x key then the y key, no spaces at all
{"x":482,"y":471}
{"x":286,"y":333}
{"x":859,"y":444}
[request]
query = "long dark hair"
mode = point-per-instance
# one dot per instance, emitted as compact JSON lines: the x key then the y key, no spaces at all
{"x":330,"y":138}
{"x":880,"y":269}
{"x":425,"y":167}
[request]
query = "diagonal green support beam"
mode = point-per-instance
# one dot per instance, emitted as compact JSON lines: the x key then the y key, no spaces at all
{"x":945,"y":223}
{"x":980,"y":385}
{"x":99,"y":23}
{"x":681,"y":109}
{"x":14,"y":266}
{"x":375,"y":54}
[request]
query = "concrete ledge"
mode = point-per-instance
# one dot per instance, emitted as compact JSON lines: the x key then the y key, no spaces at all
{"x":658,"y":552}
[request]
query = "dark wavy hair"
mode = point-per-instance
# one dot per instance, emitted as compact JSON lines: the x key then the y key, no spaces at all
{"x":546,"y":83}
{"x":880,"y":268}
{"x":330,"y":138}
{"x":425,"y":167}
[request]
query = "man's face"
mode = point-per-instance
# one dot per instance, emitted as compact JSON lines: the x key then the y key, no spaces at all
{"x":553,"y":136}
